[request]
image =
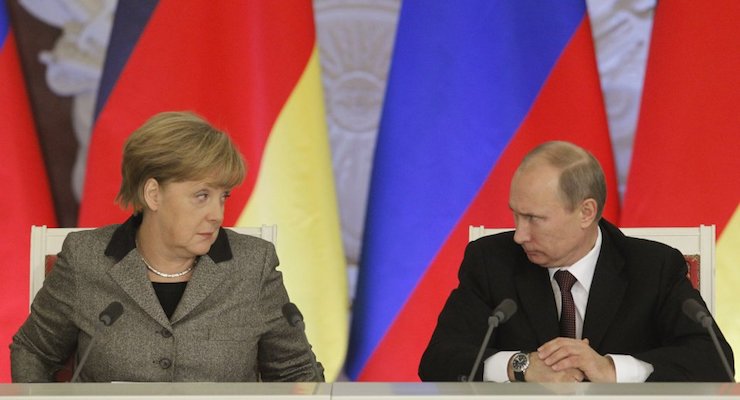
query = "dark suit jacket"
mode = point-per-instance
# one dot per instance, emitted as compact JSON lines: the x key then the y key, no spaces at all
{"x":634,"y":308}
{"x":228,"y":325}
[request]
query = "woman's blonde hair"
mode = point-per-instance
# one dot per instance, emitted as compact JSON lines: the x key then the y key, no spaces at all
{"x":177,"y":147}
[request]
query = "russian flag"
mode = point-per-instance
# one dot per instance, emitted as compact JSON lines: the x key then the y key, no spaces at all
{"x":251,"y":68}
{"x":473,"y":86}
{"x":27,"y":197}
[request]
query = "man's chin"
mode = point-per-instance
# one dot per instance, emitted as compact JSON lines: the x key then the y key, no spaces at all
{"x":538,"y":259}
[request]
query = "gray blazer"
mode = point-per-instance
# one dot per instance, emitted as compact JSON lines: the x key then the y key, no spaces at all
{"x":228,"y":325}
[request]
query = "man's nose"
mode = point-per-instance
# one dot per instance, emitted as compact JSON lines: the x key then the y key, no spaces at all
{"x":521,"y":234}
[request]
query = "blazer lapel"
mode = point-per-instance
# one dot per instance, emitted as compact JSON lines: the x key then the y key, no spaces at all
{"x":605,"y":296}
{"x":130,"y":274}
{"x":207,"y":276}
{"x":538,"y":301}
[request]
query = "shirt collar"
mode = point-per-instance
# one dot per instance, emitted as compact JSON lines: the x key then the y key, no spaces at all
{"x":124,"y":240}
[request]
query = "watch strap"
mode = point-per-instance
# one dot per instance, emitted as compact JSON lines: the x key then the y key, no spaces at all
{"x":519,"y":376}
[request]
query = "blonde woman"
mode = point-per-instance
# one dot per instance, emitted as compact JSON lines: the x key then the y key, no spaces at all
{"x":201,"y":303}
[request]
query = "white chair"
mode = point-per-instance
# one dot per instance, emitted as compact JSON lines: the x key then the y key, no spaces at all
{"x":46,"y":243}
{"x":696,"y":243}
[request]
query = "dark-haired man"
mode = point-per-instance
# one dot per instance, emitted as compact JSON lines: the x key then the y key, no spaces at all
{"x":593,"y":304}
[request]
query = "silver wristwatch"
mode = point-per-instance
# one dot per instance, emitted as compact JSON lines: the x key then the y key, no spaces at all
{"x":520,"y":363}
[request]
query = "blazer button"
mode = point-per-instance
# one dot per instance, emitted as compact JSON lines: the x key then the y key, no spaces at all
{"x":165,"y":363}
{"x":165,"y":333}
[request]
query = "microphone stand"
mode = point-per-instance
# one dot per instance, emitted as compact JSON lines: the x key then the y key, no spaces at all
{"x":698,"y":313}
{"x":78,"y":368}
{"x":717,"y":346}
{"x":501,"y":314}
{"x":493,"y":322}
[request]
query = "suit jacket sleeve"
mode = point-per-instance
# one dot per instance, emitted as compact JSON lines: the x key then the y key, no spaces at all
{"x":48,"y":337}
{"x":284,"y":353}
{"x":685,"y":351}
{"x":462,"y":324}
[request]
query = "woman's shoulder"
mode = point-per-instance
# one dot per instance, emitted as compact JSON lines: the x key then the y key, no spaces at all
{"x":251,"y":250}
{"x":238,"y":241}
{"x":90,"y":237}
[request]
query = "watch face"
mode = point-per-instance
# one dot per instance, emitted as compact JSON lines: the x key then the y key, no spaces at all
{"x":520,"y":362}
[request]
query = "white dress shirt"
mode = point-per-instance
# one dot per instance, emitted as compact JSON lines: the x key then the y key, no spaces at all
{"x":628,"y":368}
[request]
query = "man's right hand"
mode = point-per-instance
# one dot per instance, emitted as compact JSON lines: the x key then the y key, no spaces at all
{"x":538,"y":371}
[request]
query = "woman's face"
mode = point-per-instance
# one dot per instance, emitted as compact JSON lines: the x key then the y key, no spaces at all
{"x":188,"y":215}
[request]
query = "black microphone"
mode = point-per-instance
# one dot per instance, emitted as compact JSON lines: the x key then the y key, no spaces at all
{"x":698,"y":313}
{"x":107,"y":317}
{"x":500,"y":314}
{"x":295,"y":319}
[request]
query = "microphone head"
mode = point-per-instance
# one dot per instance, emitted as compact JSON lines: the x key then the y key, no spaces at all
{"x":694,"y":310}
{"x":504,"y":310}
{"x":111,"y":313}
{"x":292,"y":314}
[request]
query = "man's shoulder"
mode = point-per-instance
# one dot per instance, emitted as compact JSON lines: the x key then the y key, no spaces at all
{"x":640,"y":252}
{"x":499,"y":251}
{"x":629,"y":244}
{"x":502,"y":240}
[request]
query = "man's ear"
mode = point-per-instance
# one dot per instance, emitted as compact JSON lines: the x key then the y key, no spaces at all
{"x":588,"y":212}
{"x":152,"y":196}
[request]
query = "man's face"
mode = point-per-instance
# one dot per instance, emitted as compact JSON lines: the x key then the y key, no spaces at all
{"x":550,"y":234}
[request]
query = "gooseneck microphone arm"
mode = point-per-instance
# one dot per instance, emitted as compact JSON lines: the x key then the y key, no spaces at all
{"x":107,"y":317}
{"x":500,"y":314}
{"x":700,"y":314}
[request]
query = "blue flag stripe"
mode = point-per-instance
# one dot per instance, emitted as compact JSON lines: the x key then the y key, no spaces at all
{"x":4,"y":23}
{"x":131,"y":17}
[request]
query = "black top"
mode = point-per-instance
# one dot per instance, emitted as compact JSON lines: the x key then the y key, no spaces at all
{"x":169,"y":295}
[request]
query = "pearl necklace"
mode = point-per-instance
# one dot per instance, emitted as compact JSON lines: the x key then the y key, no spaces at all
{"x":164,"y":274}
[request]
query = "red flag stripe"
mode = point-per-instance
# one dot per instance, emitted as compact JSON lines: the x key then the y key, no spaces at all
{"x":216,"y":61}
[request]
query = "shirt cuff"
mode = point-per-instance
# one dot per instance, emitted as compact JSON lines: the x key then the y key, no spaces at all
{"x":629,"y":369}
{"x":495,"y":367}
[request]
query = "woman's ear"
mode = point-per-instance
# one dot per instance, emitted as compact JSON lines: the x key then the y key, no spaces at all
{"x":152,"y":194}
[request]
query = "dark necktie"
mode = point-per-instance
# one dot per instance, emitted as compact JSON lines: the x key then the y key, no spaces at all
{"x":566,"y":280}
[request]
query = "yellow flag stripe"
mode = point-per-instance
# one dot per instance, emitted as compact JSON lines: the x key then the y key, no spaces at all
{"x":728,"y":282}
{"x":295,"y":190}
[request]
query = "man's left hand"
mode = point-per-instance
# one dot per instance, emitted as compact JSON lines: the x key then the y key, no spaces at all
{"x":563,"y":353}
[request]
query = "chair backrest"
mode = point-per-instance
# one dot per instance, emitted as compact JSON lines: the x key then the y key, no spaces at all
{"x":46,"y":243}
{"x":697,"y":244}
